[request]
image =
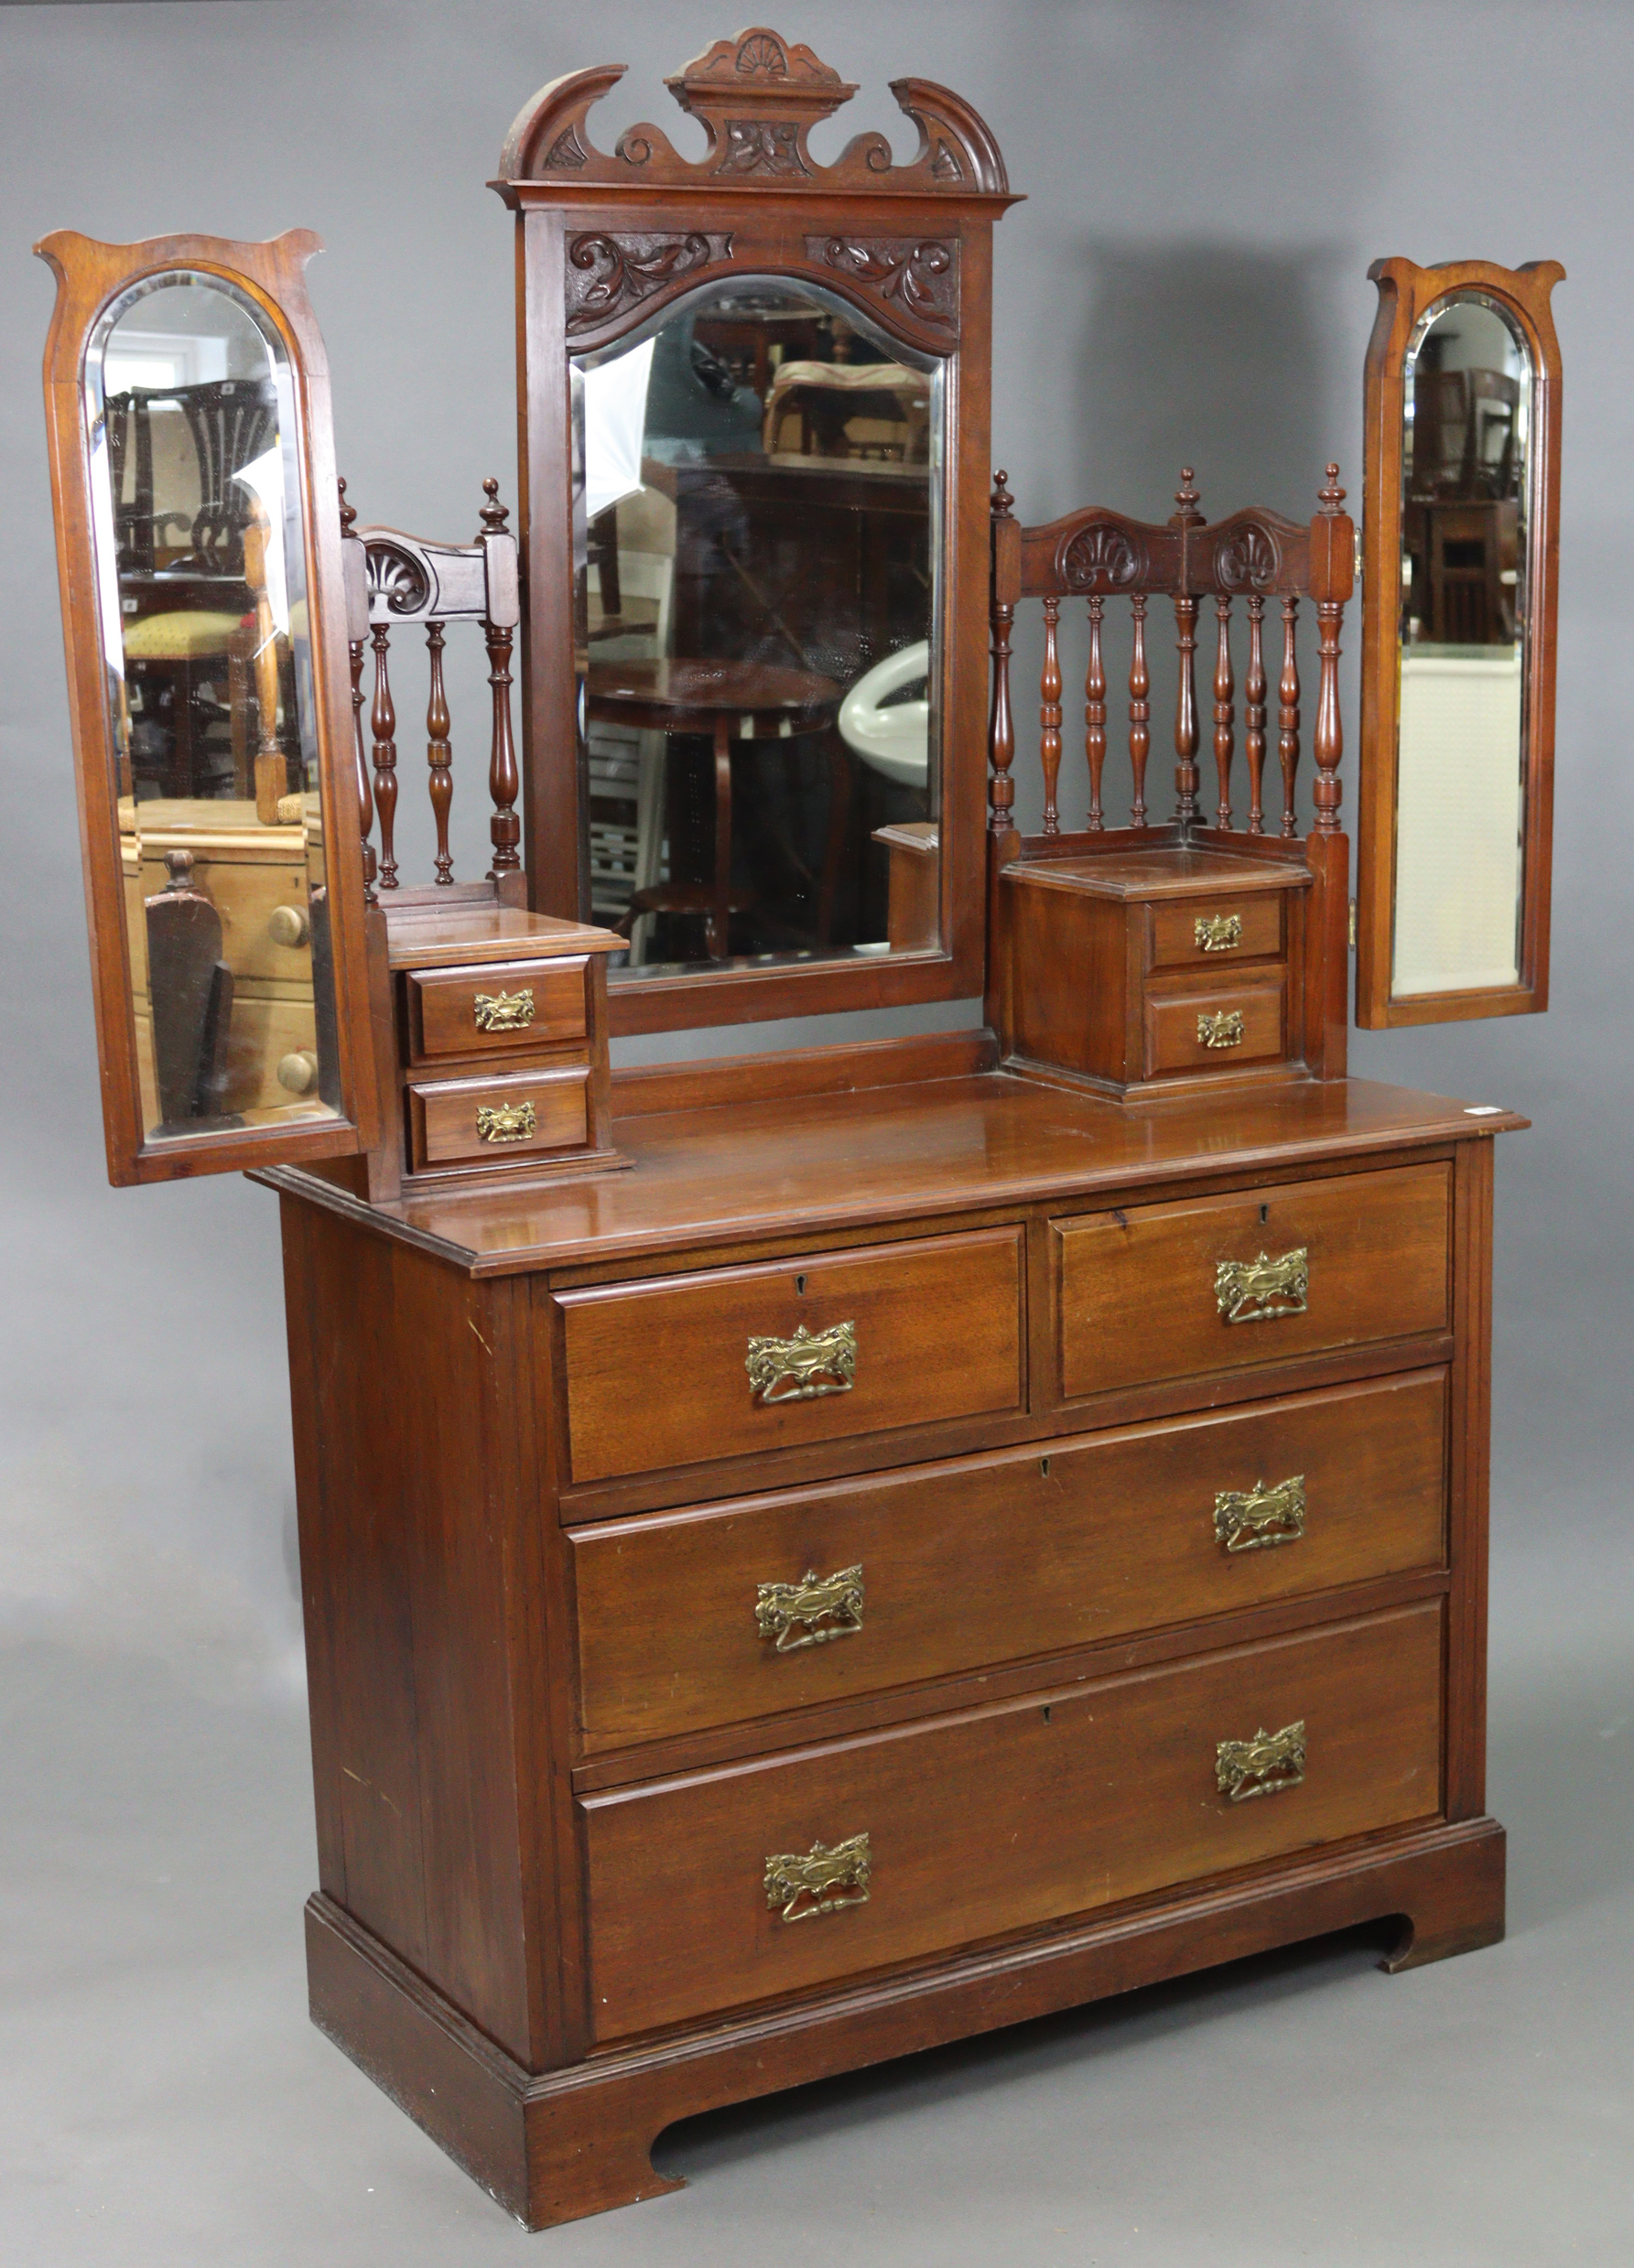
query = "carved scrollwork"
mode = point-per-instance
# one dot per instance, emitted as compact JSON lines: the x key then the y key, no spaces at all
{"x":1101,"y":559}
{"x":398,"y":578}
{"x":761,"y":145}
{"x":919,"y":276}
{"x":607,"y":274}
{"x":1250,"y":561}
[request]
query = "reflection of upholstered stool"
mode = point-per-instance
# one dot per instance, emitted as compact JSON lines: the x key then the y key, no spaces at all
{"x":175,"y":644}
{"x":728,"y":701}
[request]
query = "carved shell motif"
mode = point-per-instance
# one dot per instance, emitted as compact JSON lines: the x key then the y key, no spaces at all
{"x":1249,"y":562}
{"x":608,"y":274}
{"x":918,"y":275}
{"x":399,"y":578}
{"x":1100,"y":558}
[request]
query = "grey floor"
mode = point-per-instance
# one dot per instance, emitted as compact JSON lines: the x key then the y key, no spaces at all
{"x":164,"y":2100}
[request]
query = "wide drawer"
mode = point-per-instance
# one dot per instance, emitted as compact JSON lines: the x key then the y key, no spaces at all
{"x":743,"y":1610}
{"x":1223,"y":1283}
{"x":1215,"y":1023}
{"x":802,"y":1870}
{"x":495,"y":1010}
{"x":467,"y":1120}
{"x":736,"y":1361}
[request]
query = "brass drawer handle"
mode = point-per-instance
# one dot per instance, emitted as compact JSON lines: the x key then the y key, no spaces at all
{"x":504,"y":1011}
{"x":1224,"y":1030}
{"x":1217,"y":933}
{"x":825,"y":1606}
{"x":505,"y":1122}
{"x":1259,"y":1289}
{"x":1253,"y":1519}
{"x":1265,"y":1765}
{"x":818,"y":1875}
{"x":803,"y":1368}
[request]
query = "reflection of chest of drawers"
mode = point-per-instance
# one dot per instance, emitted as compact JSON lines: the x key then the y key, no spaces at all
{"x":765,"y":1619}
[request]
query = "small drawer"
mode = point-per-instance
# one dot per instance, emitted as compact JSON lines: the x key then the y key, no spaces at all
{"x":800,"y":1869}
{"x":743,"y":1610}
{"x":745,"y":1361}
{"x":460,"y":1121}
{"x":1236,"y":1019}
{"x":1215,"y":1284}
{"x":506,"y":1006}
{"x":1213,"y":932}
{"x":267,"y":923}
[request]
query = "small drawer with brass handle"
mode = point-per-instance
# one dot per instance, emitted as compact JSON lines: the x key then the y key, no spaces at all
{"x":457,"y":1121}
{"x":1256,"y":1518}
{"x":1267,"y":1764}
{"x":1151,"y":1293}
{"x":1181,"y":934}
{"x":800,"y":1885}
{"x":510,"y":1004}
{"x":817,"y":1607}
{"x":805,"y":1367}
{"x":1213,"y":1023}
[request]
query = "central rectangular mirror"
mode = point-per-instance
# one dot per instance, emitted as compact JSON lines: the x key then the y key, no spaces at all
{"x":757,"y":514}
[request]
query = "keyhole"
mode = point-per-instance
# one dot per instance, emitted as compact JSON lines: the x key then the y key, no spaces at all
{"x":800,"y":1281}
{"x":1043,"y":1468}
{"x":1265,"y":1214}
{"x":1046,"y":1713}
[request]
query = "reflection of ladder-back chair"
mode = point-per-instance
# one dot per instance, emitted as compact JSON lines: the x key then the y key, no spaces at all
{"x":182,"y":519}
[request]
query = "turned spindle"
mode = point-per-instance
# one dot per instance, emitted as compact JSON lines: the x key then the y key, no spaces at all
{"x":1327,"y":741}
{"x":1288,"y":713}
{"x":383,"y":722}
{"x":1188,"y":778}
{"x":1225,"y":715}
{"x":1002,"y":729}
{"x":504,"y":827}
{"x":366,"y":799}
{"x":439,"y":755}
{"x":1049,"y":714}
{"x":1095,"y":715}
{"x":1140,"y":711}
{"x":1253,"y":695}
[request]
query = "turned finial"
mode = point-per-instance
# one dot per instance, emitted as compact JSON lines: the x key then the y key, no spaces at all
{"x":178,"y":866}
{"x":493,"y":514}
{"x":1332,"y":495}
{"x":1186,"y":497}
{"x":348,"y":511}
{"x":1003,"y":499}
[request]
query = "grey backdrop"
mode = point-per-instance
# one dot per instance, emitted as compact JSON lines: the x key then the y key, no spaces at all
{"x":1207,"y":186}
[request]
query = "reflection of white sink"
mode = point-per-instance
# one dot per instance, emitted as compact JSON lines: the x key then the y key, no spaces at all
{"x":893,"y":741}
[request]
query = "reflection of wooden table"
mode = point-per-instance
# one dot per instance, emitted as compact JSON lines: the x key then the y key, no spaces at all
{"x":728,"y":701}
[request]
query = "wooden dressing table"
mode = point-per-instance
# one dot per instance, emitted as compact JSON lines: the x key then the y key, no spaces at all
{"x":811,"y":1555}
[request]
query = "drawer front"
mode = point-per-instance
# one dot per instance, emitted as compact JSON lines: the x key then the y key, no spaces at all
{"x":737,"y":1361}
{"x":746,"y":1609}
{"x":457,"y":1121}
{"x":709,"y":1891}
{"x":266,"y":923}
{"x":479,"y":1012}
{"x":1217,"y":1025}
{"x":1216,"y":932}
{"x":1223,"y":1283}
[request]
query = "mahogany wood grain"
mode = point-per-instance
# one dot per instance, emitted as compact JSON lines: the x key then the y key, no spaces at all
{"x":651,"y":1090}
{"x":1003,"y":1818}
{"x":656,"y":1373}
{"x":1406,"y":292}
{"x":447,"y":1129}
{"x":1136,"y":1290}
{"x":1176,"y":1033}
{"x":442,"y":1012}
{"x":437,"y":936}
{"x":993,"y":1559}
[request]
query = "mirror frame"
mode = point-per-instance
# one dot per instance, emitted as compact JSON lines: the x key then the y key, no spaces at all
{"x":1406,"y":294}
{"x":603,"y":243}
{"x":89,"y":277}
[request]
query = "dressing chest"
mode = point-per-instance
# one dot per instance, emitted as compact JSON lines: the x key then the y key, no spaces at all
{"x":813,"y":1554}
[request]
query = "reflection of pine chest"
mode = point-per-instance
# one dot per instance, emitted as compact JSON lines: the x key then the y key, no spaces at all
{"x":260,"y":880}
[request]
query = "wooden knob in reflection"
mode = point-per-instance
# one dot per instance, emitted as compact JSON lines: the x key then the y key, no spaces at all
{"x":288,"y":925}
{"x":298,"y":1072}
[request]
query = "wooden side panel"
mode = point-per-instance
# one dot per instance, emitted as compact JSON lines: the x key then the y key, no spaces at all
{"x":1469,"y":1471}
{"x":1007,"y":1818}
{"x":412,"y":1532}
{"x":1140,"y":1293}
{"x":990,"y":1559}
{"x":657,"y":1372}
{"x":1067,"y":960}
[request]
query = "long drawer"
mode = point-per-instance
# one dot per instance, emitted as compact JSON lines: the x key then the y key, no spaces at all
{"x":741,"y":1610}
{"x":1160,"y":1291}
{"x":799,"y":1870}
{"x":733,"y":1361}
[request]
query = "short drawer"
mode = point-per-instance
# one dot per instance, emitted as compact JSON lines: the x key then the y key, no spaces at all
{"x":1216,"y":1284}
{"x":800,"y":1870}
{"x":1212,"y":934}
{"x":459,"y":1121}
{"x":743,"y":1610}
{"x":497,"y":1009}
{"x":740,"y":1361}
{"x":1213,"y":1026}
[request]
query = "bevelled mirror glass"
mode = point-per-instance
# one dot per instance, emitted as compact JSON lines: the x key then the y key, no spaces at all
{"x":200,"y":565}
{"x":1461,"y":744}
{"x":1457,"y":723}
{"x":757,"y":513}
